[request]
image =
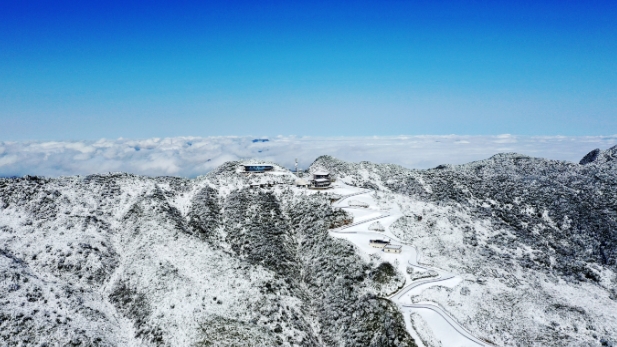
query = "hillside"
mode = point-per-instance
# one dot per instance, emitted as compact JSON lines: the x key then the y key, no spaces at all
{"x":534,"y":240}
{"x":124,"y":260}
{"x":513,"y":250}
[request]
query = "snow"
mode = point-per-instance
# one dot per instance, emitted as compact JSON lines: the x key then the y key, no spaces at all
{"x":442,"y":326}
{"x":444,"y":281}
{"x":463,"y":221}
{"x":448,"y":293}
{"x":345,"y":190}
{"x":179,"y":276}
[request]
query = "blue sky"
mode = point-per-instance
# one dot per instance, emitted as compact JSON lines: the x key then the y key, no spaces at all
{"x":93,"y":69}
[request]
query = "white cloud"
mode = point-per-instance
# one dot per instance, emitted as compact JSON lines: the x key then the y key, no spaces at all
{"x":192,"y":156}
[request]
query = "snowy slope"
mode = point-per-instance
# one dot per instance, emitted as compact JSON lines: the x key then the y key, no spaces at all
{"x":534,"y":242}
{"x":125,"y":260}
{"x":510,"y":251}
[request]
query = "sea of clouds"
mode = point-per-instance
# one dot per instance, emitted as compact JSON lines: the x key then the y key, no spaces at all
{"x":194,"y":156}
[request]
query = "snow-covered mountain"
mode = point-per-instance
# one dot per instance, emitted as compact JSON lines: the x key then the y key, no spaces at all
{"x":525,"y":249}
{"x":124,"y":260}
{"x":534,"y":240}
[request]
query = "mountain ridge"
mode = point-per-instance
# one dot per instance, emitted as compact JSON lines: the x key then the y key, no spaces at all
{"x":122,"y":259}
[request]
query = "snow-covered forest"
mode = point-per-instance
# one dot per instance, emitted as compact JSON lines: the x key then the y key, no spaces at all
{"x":512,"y":250}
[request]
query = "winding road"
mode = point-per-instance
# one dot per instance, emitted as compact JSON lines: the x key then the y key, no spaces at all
{"x":443,"y":325}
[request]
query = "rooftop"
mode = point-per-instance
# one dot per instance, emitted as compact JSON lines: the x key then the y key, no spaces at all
{"x":258,"y":164}
{"x":258,"y":167}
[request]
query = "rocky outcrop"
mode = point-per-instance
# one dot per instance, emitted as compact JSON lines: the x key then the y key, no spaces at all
{"x":599,"y":157}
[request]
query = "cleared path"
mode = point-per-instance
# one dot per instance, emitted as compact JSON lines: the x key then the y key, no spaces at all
{"x":446,"y":328}
{"x":361,"y":222}
{"x":454,"y":335}
{"x":344,"y":197}
{"x":414,"y":284}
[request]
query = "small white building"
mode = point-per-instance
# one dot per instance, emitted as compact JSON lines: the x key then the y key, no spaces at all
{"x":392,"y":248}
{"x":301,"y":183}
{"x":358,"y":203}
{"x":378,"y":243}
